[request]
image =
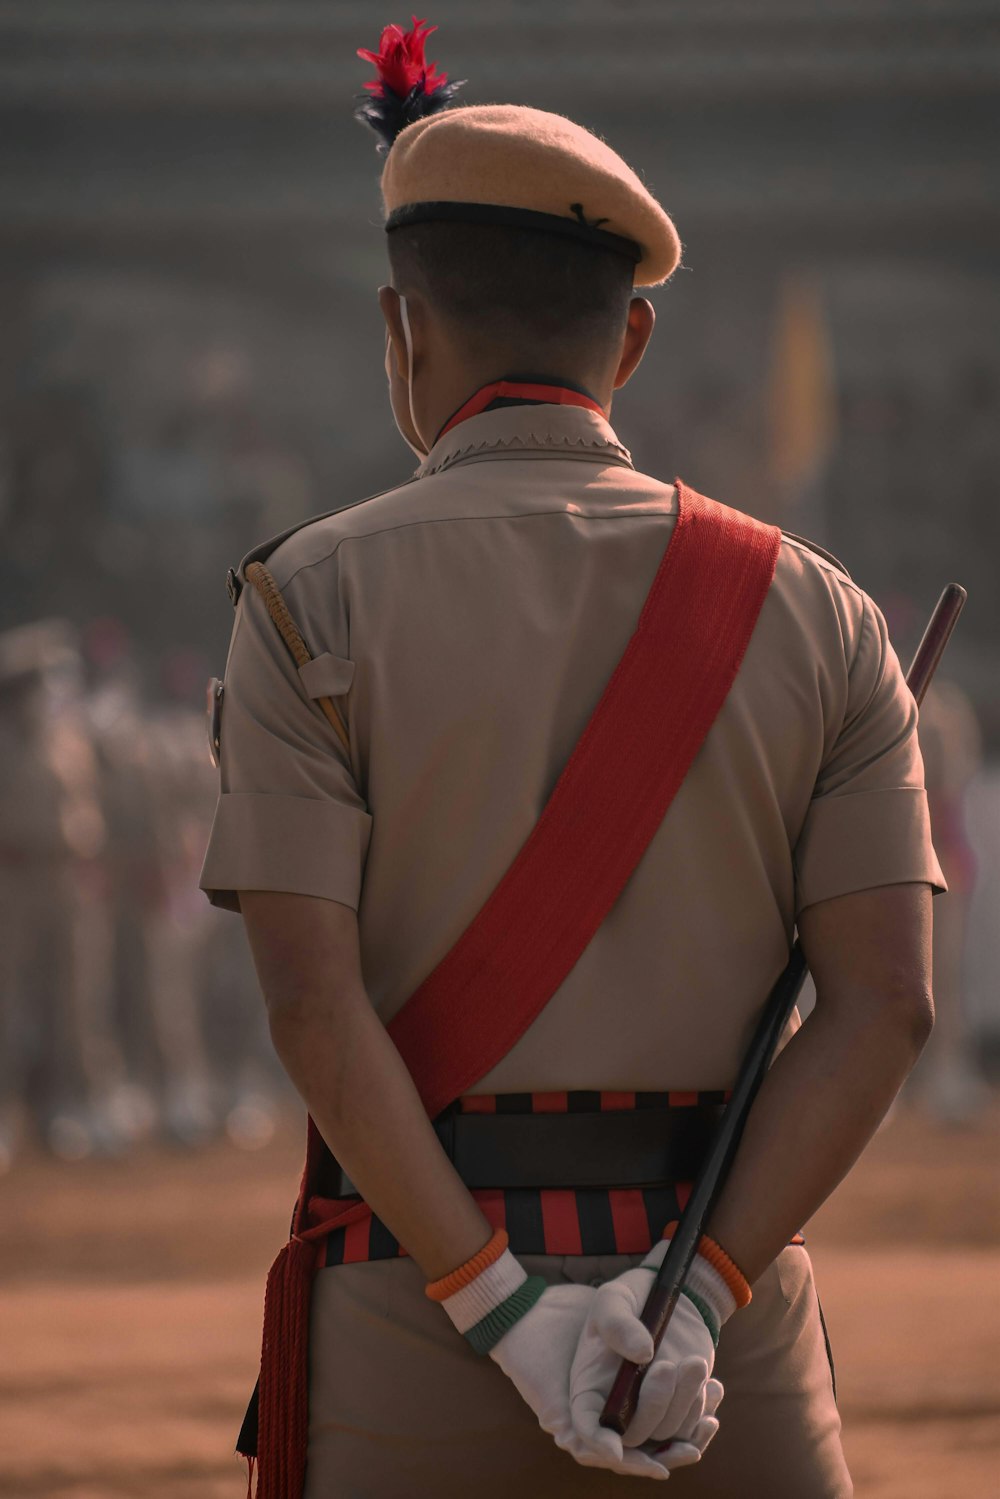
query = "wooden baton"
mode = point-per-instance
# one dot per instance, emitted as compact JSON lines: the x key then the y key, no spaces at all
{"x":621,"y":1403}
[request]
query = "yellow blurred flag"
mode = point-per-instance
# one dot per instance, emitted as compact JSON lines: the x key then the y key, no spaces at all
{"x":802,"y":399}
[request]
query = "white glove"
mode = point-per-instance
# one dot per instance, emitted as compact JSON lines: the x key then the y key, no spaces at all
{"x":537,"y":1353}
{"x":688,"y":1445}
{"x":675,"y":1414}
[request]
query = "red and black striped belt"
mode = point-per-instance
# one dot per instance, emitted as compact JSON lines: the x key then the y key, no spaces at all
{"x":572,"y":1140}
{"x":565,"y":1173}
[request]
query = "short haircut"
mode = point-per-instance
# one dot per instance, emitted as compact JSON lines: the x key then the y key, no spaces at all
{"x":520,"y":290}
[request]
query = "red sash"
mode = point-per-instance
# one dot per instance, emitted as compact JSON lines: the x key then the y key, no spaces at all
{"x":614,"y":792}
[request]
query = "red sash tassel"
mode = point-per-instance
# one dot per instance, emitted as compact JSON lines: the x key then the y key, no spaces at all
{"x":284,"y":1374}
{"x":283,"y":1430}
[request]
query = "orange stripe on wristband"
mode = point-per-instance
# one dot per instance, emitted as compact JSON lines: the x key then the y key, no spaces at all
{"x":727,"y":1268}
{"x":720,"y":1261}
{"x":440,"y":1290}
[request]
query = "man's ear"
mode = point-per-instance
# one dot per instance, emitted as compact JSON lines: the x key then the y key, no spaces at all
{"x":638,"y":332}
{"x":388,"y":300}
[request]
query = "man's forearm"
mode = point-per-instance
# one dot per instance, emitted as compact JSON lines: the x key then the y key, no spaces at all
{"x":368,"y":1111}
{"x":817,"y":1110}
{"x":818,"y":1107}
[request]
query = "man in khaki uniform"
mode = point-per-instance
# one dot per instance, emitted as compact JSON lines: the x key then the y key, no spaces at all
{"x":464,"y":625}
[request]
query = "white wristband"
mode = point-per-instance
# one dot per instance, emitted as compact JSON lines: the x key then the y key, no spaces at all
{"x":483,"y":1295}
{"x":702,"y":1278}
{"x":706,"y":1282}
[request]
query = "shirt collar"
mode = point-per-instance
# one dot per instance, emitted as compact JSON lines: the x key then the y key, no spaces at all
{"x":517,"y":431}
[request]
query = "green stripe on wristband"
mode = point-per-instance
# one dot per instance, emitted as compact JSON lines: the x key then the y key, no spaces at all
{"x":707,"y":1315}
{"x":488,"y":1331}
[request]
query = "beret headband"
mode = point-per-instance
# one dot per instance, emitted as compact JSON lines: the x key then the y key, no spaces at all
{"x":526,"y":218}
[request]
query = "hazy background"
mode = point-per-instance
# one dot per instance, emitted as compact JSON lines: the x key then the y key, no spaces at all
{"x":191,"y":243}
{"x":191,"y":359}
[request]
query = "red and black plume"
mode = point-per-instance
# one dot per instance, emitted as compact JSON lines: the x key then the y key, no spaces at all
{"x":407,"y":88}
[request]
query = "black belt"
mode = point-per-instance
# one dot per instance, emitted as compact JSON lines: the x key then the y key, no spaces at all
{"x":617,"y":1148}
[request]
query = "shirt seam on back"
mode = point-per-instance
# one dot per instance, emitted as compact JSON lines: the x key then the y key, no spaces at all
{"x":438,"y":520}
{"x":523,"y":451}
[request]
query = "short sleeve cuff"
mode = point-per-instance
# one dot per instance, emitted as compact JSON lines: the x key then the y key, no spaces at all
{"x":289,"y":843}
{"x":862,"y":840}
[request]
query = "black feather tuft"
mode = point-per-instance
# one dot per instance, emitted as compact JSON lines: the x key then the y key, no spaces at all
{"x":387,"y":114}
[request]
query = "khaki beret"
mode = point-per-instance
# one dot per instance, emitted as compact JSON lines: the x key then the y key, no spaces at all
{"x":506,"y":163}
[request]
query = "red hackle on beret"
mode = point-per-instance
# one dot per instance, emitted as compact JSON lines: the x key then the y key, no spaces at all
{"x":401,"y":62}
{"x":408,"y":87}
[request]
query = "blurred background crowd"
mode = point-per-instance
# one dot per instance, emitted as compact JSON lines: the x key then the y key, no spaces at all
{"x":191,"y":360}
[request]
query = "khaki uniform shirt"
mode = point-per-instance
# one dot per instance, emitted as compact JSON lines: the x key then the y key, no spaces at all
{"x":466,"y":623}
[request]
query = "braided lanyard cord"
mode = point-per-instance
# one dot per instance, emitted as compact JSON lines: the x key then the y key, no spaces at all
{"x":258,"y":575}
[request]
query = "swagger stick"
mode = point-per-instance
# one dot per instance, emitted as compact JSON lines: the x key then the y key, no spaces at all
{"x":621,"y":1403}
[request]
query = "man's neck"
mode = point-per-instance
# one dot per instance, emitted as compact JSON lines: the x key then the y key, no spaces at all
{"x":522,"y":389}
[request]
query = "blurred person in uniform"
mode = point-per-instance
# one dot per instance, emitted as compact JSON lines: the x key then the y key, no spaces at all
{"x":377,"y":787}
{"x":57,"y":953}
{"x":32,"y":853}
{"x":946,"y":1080}
{"x":115,"y":714}
{"x":151,"y":803}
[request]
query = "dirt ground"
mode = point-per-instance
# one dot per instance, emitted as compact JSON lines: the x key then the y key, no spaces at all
{"x":131,"y":1292}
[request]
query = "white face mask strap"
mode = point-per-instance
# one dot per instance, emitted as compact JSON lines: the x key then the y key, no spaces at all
{"x":405,"y":319}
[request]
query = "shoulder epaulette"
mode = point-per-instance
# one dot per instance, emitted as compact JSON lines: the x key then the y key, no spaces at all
{"x":236,"y":576}
{"x":813,"y":546}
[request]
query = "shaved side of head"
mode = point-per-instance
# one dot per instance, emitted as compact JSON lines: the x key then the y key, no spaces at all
{"x":542,"y":300}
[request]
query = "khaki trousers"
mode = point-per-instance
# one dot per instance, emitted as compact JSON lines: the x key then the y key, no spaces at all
{"x":401,"y":1408}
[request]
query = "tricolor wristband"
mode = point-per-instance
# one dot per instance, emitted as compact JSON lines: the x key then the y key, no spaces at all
{"x":488,"y":1294}
{"x":714,"y":1284}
